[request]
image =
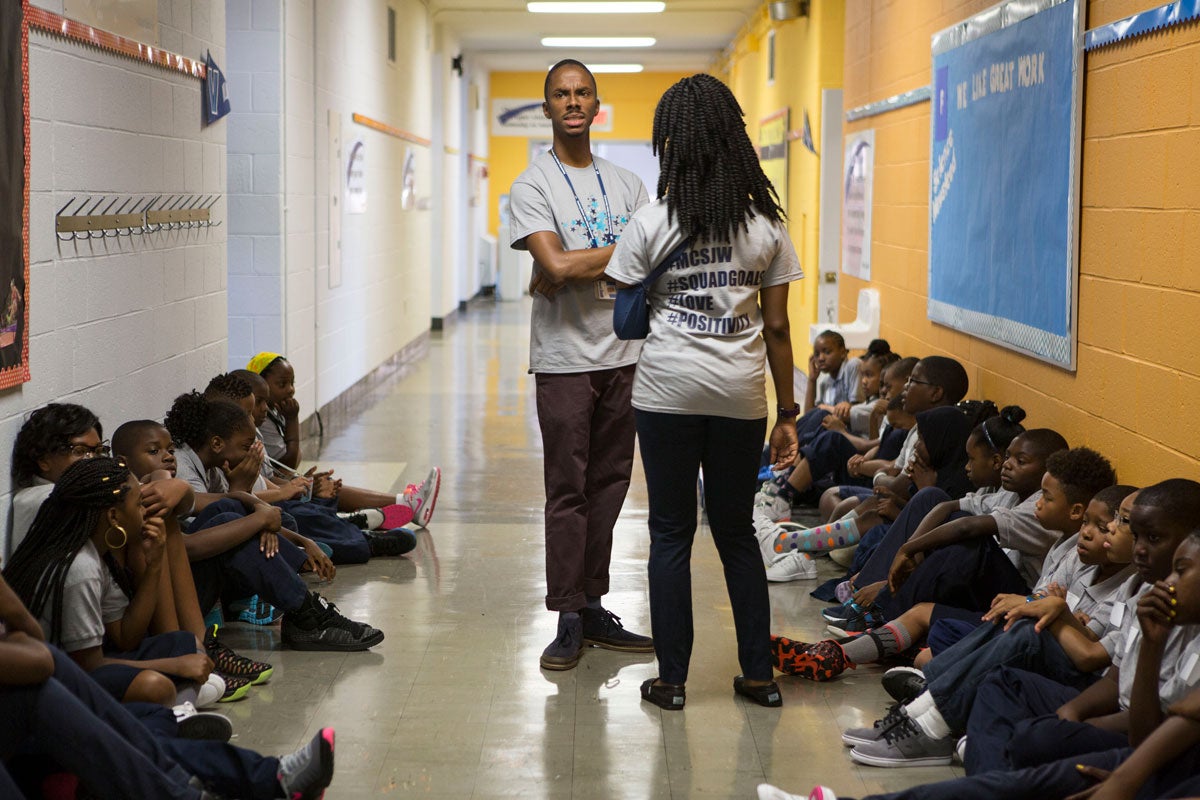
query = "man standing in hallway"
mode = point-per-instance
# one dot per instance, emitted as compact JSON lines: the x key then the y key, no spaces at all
{"x":568,"y":209}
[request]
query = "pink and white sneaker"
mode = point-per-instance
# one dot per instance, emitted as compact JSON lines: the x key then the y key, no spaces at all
{"x":422,"y":497}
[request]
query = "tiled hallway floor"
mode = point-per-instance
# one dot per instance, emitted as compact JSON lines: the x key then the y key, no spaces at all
{"x":453,"y":704}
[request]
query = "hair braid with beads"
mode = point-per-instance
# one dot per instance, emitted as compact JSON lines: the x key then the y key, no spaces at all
{"x":38,"y":569}
{"x":709,"y":170}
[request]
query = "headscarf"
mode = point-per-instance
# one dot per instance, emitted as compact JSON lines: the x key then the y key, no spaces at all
{"x":945,"y":430}
{"x":261,"y":361}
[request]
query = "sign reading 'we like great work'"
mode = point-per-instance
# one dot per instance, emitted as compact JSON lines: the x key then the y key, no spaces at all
{"x":1003,"y":193}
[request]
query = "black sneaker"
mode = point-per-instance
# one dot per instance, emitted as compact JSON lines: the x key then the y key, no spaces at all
{"x":317,"y":625}
{"x":563,"y":652}
{"x":395,"y":542}
{"x":904,"y":684}
{"x":306,"y":773}
{"x":367,"y":519}
{"x":602,"y":628}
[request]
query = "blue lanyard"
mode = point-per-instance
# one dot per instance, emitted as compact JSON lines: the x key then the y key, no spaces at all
{"x":609,"y":238}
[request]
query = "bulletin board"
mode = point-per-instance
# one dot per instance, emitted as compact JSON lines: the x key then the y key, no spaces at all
{"x":14,"y":194}
{"x":1004,"y":177}
{"x":773,"y":152}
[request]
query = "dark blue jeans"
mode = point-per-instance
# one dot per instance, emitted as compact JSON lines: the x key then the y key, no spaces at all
{"x":674,"y":447}
{"x":1058,"y":779}
{"x":318,"y":520}
{"x":71,"y":719}
{"x":1016,"y":724}
{"x":244,"y":570}
{"x":881,"y":557}
{"x":965,"y":575}
{"x":954,"y":676}
{"x":827,"y":453}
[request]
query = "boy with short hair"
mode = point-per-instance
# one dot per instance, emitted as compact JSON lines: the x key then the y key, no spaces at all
{"x":832,"y":376}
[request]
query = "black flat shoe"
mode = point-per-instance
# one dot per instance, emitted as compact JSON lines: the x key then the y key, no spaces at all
{"x":768,"y":695}
{"x":666,"y":696}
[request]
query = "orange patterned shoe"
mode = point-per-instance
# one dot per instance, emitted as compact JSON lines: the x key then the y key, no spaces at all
{"x":822,"y":661}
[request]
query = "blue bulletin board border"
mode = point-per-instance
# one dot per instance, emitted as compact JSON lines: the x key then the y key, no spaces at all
{"x":1055,"y":347}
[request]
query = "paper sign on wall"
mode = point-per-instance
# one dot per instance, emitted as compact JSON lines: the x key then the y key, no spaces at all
{"x":858,"y":179}
{"x":356,"y":177}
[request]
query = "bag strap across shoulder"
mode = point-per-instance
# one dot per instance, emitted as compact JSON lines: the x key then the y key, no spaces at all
{"x":650,"y":279}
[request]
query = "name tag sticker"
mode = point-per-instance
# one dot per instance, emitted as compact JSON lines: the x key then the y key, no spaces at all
{"x":1072,"y":600}
{"x":1118,"y":614}
{"x":605,"y":290}
{"x":1131,"y":639}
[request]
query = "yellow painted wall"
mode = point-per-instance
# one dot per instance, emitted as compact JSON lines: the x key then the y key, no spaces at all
{"x":808,"y":59}
{"x":1136,"y":393}
{"x":633,"y":98}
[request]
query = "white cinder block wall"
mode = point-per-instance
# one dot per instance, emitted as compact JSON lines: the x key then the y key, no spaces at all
{"x":254,"y":39}
{"x":121,"y":325}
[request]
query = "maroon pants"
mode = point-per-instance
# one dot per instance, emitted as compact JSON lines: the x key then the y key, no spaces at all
{"x":587,"y":440}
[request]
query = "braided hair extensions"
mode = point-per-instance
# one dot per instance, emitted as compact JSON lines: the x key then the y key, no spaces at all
{"x":709,"y":170}
{"x":38,"y":569}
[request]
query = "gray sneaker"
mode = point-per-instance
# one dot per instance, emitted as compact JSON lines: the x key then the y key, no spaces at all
{"x":305,"y":774}
{"x":905,"y":745}
{"x":856,"y":736}
{"x":563,"y":652}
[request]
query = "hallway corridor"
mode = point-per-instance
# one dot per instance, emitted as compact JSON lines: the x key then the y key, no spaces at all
{"x":452,"y":704}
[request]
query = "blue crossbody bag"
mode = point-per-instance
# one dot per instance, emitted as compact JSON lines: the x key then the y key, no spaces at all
{"x":631,"y":311}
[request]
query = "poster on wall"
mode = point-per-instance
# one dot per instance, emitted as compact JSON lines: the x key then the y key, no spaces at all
{"x":408,"y":181}
{"x":356,"y":177}
{"x":773,"y":152}
{"x":523,"y":117}
{"x":1004,"y":177}
{"x":14,"y":195}
{"x":858,"y":184}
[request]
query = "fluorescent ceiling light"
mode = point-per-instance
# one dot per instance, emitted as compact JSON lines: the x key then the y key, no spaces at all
{"x":598,"y":41}
{"x":597,"y":7}
{"x":611,"y":68}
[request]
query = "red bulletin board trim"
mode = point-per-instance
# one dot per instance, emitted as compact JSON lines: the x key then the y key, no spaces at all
{"x":58,"y":25}
{"x":15,"y":376}
{"x":383,"y":127}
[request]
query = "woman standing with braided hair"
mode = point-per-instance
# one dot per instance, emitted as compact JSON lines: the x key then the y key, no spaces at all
{"x":66,"y":574}
{"x":717,"y":313}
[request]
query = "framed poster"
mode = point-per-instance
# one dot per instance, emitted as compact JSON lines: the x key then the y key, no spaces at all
{"x":14,"y":194}
{"x":858,"y":188}
{"x":773,"y":153}
{"x":1004,"y":177}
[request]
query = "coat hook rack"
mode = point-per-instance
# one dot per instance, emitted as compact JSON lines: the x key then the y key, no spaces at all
{"x":132,"y":216}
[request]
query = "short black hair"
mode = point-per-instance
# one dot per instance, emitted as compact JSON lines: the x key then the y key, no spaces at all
{"x":948,"y":374}
{"x":832,"y":336}
{"x":904,"y":366}
{"x":1178,"y":498}
{"x":228,"y":386}
{"x":249,"y":376}
{"x":124,"y":436}
{"x":1045,"y":441}
{"x":193,"y":418}
{"x":1082,"y":472}
{"x":566,"y":62}
{"x":1111,"y":497}
{"x":47,"y":430}
{"x":879,"y":347}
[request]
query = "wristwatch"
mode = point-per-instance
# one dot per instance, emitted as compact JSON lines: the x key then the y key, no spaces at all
{"x":789,"y":413}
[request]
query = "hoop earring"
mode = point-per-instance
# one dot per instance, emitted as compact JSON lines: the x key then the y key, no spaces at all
{"x":124,"y":538}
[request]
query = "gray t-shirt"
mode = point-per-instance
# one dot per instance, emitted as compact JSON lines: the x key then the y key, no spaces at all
{"x":91,"y":600}
{"x":25,"y":505}
{"x":705,"y":353}
{"x":1018,"y":529}
{"x":271,"y":434}
{"x":189,"y":467}
{"x":573,"y":332}
{"x":840,"y":388}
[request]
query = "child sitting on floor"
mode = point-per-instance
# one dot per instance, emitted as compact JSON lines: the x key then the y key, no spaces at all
{"x":65,"y":573}
{"x":281,"y":436}
{"x":962,"y":690}
{"x":314,"y":516}
{"x":963,"y":561}
{"x":1156,"y":649}
{"x":236,"y":543}
{"x":1087,"y":575}
{"x":832,"y":376}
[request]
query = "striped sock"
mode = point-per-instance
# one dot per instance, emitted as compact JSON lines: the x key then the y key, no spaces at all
{"x":877,"y":644}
